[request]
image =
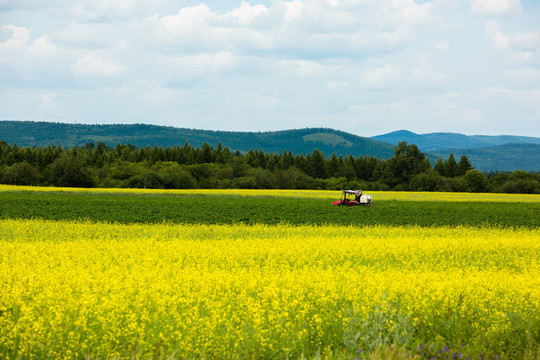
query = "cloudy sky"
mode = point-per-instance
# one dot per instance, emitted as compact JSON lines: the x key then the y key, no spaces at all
{"x":363,"y":66}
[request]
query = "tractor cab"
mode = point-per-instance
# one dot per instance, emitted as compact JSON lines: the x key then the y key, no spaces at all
{"x":354,"y":198}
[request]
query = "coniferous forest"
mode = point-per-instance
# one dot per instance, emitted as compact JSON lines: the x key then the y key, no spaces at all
{"x":186,"y":167}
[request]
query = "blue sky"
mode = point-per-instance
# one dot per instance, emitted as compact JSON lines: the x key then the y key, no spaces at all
{"x":366,"y":67}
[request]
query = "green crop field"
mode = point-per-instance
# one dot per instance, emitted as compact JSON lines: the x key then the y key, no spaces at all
{"x":266,"y":210}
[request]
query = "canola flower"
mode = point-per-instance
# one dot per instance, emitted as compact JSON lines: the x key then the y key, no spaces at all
{"x":303,"y":194}
{"x":100,"y":290}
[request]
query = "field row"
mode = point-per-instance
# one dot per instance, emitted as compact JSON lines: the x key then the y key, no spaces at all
{"x":262,"y":210}
{"x":296,"y":194}
{"x":78,"y":289}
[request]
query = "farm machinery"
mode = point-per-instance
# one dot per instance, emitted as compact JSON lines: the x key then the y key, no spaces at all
{"x":354,"y":198}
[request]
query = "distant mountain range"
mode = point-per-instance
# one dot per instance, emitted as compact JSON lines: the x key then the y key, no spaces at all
{"x":442,"y":141}
{"x":486,"y":153}
{"x":302,"y":141}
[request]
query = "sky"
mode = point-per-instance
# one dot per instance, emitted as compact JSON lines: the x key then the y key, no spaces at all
{"x":367,"y":67}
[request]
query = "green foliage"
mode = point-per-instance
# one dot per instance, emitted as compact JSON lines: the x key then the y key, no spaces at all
{"x":439,"y":167}
{"x":426,"y":181}
{"x":450,"y":166}
{"x":406,"y":163}
{"x":257,"y":210}
{"x":69,"y":171}
{"x":522,"y":182}
{"x":317,"y":167}
{"x":457,"y":184}
{"x":21,"y":173}
{"x":207,"y":167}
{"x":476,"y":181}
{"x":463,"y":166}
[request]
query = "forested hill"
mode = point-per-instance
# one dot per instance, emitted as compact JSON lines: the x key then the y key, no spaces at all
{"x":434,"y":142}
{"x":486,"y":153}
{"x":508,"y":157}
{"x":302,"y":141}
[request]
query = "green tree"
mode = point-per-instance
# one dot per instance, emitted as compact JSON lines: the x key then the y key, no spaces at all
{"x":206,"y":155}
{"x":407,"y":162}
{"x":22,"y":173}
{"x":332,"y":165}
{"x":450,"y":166}
{"x":69,"y":171}
{"x":426,"y":181}
{"x":463,"y":166}
{"x":147,"y":180}
{"x":439,"y":167}
{"x":224,"y":156}
{"x":365,"y":166}
{"x":265,"y":179}
{"x":294,"y":178}
{"x":476,"y":181}
{"x":317,"y":165}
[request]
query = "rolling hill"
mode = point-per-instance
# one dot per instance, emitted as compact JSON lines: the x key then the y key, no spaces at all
{"x":301,"y":141}
{"x":441,"y":141}
{"x":507,"y":157}
{"x":486,"y":153}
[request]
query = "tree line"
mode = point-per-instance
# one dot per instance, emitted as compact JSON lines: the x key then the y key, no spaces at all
{"x":185,"y":167}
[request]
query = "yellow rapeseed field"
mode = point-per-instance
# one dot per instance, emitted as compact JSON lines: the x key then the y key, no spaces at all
{"x":306,"y":194}
{"x":99,"y":290}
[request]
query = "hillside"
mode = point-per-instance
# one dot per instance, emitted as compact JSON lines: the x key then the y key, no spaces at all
{"x":302,"y":141}
{"x":508,"y":157}
{"x":440,"y":141}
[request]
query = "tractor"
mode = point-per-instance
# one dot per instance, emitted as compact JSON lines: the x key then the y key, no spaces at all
{"x":359,"y":198}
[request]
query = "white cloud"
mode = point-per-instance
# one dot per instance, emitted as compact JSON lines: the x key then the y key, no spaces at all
{"x":28,"y":60}
{"x":246,"y":13}
{"x":297,"y":28}
{"x":526,"y":41}
{"x":48,"y":99}
{"x":424,"y":70}
{"x":19,"y":44}
{"x":105,"y":10}
{"x":17,"y":34}
{"x":425,"y":74}
{"x":309,"y":70}
{"x":92,"y":64}
{"x":498,"y":39}
{"x":152,"y":93}
{"x":16,"y":41}
{"x":386,"y":40}
{"x":514,"y":50}
{"x":495,"y":7}
{"x":380,"y":78}
{"x":188,"y":20}
{"x":415,"y":13}
{"x":526,"y":78}
{"x":190,"y":67}
{"x":88,"y":35}
{"x":337,"y":85}
{"x":442,"y":46}
{"x":294,"y":10}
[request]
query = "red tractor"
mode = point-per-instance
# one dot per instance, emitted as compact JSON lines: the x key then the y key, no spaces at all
{"x":359,"y":198}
